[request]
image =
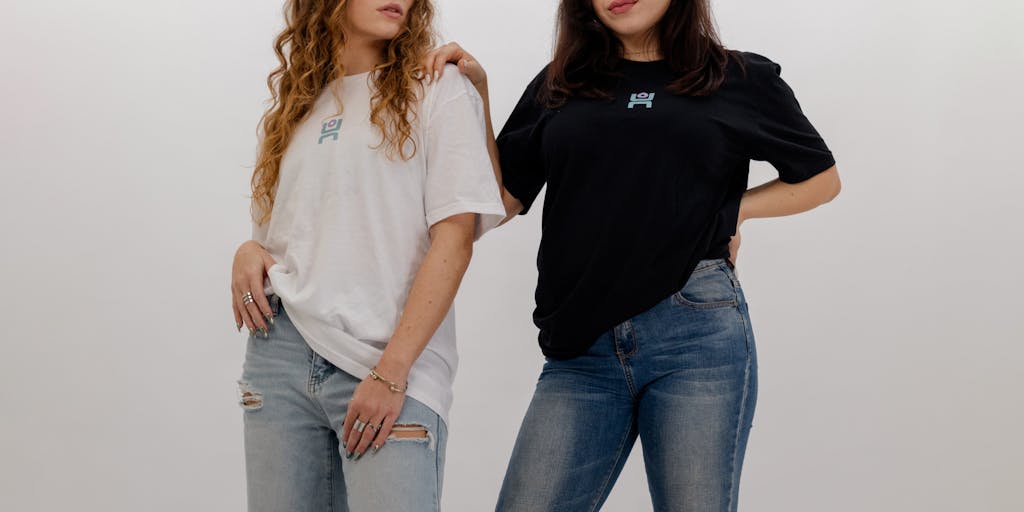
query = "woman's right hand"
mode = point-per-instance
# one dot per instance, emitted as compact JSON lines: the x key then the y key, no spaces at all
{"x":251,"y":264}
{"x":433,"y":64}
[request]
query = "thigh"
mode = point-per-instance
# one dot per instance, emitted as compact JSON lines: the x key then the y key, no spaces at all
{"x":291,"y":454}
{"x":575,"y":438}
{"x":406,"y":473}
{"x":694,"y":420}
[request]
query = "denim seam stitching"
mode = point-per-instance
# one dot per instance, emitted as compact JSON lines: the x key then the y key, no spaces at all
{"x":622,"y":364}
{"x":733,"y":276}
{"x":437,"y":465}
{"x":717,"y":265}
{"x":330,"y":475}
{"x":310,"y":378}
{"x":721,"y":304}
{"x":629,"y":378}
{"x":634,"y":339}
{"x":311,"y":389}
{"x":611,"y":471}
{"x":740,"y":415}
{"x":678,"y":298}
{"x":736,"y":299}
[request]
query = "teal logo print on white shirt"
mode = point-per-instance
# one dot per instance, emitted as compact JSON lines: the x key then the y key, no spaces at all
{"x":641,"y":98}
{"x":330,"y":130}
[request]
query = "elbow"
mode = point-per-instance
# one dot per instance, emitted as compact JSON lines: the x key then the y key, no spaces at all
{"x":464,"y":256}
{"x":457,"y":244}
{"x":453,"y":253}
{"x":834,"y":191}
{"x":510,"y":213}
{"x":834,"y":186}
{"x":466,"y":248}
{"x":462,"y":247}
{"x":512,"y":205}
{"x":453,"y":237}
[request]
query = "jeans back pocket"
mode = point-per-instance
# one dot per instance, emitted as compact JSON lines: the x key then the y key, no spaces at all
{"x":711,"y":286}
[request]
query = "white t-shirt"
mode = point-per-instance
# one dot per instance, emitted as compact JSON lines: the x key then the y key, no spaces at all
{"x":349,"y":227}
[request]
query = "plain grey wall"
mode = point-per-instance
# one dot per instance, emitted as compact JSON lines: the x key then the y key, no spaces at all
{"x":888,"y":322}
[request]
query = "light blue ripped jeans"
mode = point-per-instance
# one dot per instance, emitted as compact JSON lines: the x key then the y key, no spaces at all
{"x":682,"y":376}
{"x":294,"y":405}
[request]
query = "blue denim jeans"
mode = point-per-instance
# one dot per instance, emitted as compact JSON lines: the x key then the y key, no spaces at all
{"x":294,"y":406}
{"x":681,"y":375}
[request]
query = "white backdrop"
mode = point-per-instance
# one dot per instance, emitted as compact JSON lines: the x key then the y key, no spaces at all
{"x":888,"y":322}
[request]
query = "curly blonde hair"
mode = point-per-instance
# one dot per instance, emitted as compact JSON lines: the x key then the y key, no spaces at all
{"x":309,"y":53}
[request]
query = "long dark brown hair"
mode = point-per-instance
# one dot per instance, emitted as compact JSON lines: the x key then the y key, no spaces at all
{"x":586,"y":52}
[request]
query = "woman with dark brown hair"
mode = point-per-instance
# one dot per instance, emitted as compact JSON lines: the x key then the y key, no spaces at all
{"x":643,"y":127}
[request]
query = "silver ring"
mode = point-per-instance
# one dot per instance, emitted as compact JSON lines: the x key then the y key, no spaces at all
{"x":247,"y":298}
{"x":359,"y":426}
{"x":374,"y":427}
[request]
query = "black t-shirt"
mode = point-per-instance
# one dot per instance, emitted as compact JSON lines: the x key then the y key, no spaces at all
{"x":641,"y":188}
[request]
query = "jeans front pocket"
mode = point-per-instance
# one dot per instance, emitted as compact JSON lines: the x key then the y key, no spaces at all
{"x":711,"y":286}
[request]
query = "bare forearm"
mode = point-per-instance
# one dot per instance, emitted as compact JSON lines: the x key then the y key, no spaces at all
{"x":512,"y":205}
{"x":430,"y":298}
{"x":482,"y":89}
{"x":778,"y":199}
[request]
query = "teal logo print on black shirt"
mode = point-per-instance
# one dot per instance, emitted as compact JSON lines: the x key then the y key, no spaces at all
{"x":641,"y":98}
{"x":330,"y":130}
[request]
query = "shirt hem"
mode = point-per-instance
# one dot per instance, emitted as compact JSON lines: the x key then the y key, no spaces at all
{"x":817,"y":169}
{"x":491,"y":215}
{"x":418,"y":380}
{"x":360,"y":371}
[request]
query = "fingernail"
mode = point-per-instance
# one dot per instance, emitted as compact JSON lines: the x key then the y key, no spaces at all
{"x":348,"y":455}
{"x":376,"y":447}
{"x":437,"y":74}
{"x":252,"y":332}
{"x":357,"y":456}
{"x":270,"y":319}
{"x":264,"y":333}
{"x":239,"y":326}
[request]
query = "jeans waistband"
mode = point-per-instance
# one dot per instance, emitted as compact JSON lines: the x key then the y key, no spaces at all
{"x":703,"y":264}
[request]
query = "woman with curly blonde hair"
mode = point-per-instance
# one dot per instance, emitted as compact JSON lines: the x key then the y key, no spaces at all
{"x":373,"y":180}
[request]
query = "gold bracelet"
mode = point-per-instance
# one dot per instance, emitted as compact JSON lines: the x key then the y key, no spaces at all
{"x":395,"y":388}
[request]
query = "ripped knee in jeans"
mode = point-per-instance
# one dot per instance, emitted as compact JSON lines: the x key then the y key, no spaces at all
{"x":411,"y":432}
{"x":248,"y":398}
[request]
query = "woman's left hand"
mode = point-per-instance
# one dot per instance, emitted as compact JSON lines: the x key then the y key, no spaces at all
{"x":374,"y":404}
{"x":734,"y":247}
{"x":734,"y":242}
{"x":433,"y":63}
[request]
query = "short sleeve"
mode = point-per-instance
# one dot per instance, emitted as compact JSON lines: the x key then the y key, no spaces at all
{"x":459,"y":175}
{"x":777,"y":131}
{"x":519,"y":144}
